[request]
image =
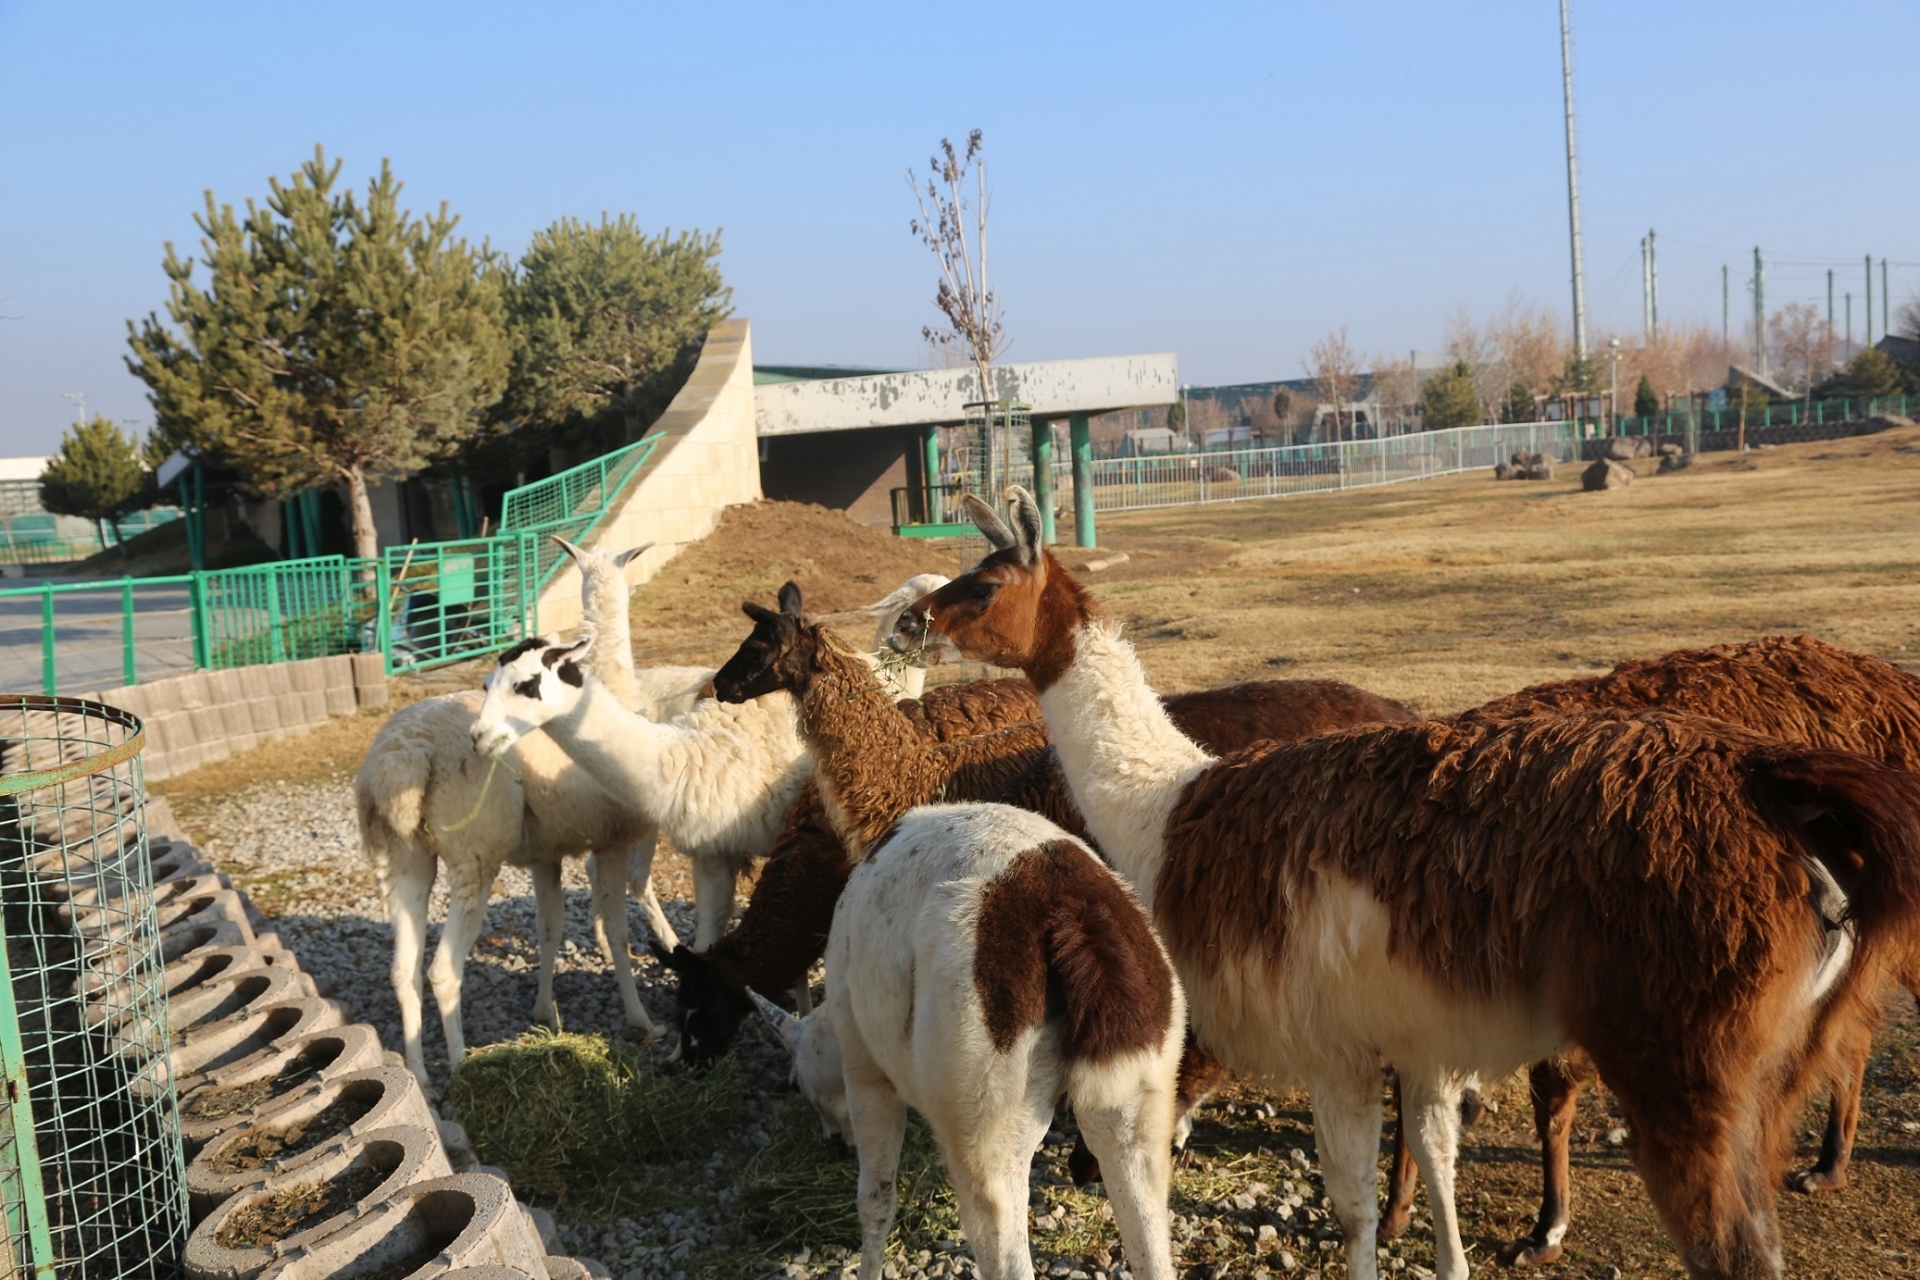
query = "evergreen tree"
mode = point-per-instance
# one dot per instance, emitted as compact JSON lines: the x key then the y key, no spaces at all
{"x":1645,"y":403}
{"x":1518,"y":406}
{"x":1581,"y":376}
{"x":97,"y":475}
{"x":336,"y":342}
{"x":1448,"y":399}
{"x":1177,"y":417}
{"x":1283,"y":405}
{"x":1871,"y":373}
{"x":606,"y":321}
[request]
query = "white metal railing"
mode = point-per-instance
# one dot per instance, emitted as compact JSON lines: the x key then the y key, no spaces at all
{"x":1237,"y":475}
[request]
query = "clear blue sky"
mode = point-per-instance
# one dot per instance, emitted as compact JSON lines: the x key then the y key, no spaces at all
{"x":1228,"y":181}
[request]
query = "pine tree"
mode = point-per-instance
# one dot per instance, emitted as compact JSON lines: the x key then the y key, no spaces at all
{"x":335,"y":343}
{"x":1870,"y":374}
{"x":1177,"y":417}
{"x":605,"y":321}
{"x":1518,"y":406}
{"x":97,"y":475}
{"x":1645,"y":403}
{"x":1283,"y":405}
{"x":1448,"y":399}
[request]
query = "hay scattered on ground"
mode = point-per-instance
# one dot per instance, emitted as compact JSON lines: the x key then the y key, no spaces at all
{"x":563,"y":1114}
{"x":801,"y":1190}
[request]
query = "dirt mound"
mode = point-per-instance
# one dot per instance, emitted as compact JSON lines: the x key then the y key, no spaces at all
{"x":690,"y":612}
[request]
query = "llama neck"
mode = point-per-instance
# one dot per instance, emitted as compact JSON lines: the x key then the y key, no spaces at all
{"x":870,"y":762}
{"x":618,"y":748}
{"x":605,"y":618}
{"x":1126,"y":762}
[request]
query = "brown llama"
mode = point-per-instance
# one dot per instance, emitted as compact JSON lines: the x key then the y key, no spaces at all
{"x":783,"y":930}
{"x":1695,"y":905}
{"x":1794,"y":688}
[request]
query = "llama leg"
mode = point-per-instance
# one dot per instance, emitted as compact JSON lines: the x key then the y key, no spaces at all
{"x":465,"y":915}
{"x":1843,"y":1115}
{"x":1133,"y":1142}
{"x":992,"y":1160}
{"x":1555,"y":1085}
{"x":640,"y":884}
{"x":879,"y":1120}
{"x":1402,"y":1178}
{"x":1346,"y":1125}
{"x":550,"y":914}
{"x":610,"y":915}
{"x":410,"y":885}
{"x":713,"y":881}
{"x":1430,"y":1116}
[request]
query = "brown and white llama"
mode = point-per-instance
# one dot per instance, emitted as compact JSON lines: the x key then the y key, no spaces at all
{"x":1689,"y":902}
{"x":1797,"y":689}
{"x":982,"y":965}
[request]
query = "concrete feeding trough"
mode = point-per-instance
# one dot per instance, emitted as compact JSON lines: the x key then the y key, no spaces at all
{"x":297,"y":1210}
{"x":218,"y":1100}
{"x":463,"y":1222}
{"x":304,"y":1131}
{"x":265,"y":1027}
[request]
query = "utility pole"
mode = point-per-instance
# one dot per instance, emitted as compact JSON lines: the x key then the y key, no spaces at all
{"x":1646,"y":292}
{"x":1849,"y":324}
{"x":1573,"y":187}
{"x":1869,"y":299}
{"x":1829,"y":300}
{"x":1759,"y":313}
{"x":1726,"y":313}
{"x":1886,"y":295}
{"x":1653,"y":276}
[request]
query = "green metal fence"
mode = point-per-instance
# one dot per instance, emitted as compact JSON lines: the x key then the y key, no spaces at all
{"x":1791,"y":414}
{"x":420,"y":605}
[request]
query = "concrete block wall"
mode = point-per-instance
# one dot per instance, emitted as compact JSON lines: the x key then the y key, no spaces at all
{"x":206,"y":716}
{"x":709,"y":461}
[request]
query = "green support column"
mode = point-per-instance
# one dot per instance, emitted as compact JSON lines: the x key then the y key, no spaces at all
{"x":930,"y":453}
{"x":1042,"y":433}
{"x":1082,"y":439}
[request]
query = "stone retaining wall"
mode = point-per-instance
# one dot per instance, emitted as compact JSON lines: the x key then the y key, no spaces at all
{"x":207,"y":716}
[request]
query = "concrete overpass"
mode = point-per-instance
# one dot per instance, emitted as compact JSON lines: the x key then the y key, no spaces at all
{"x":899,"y":416}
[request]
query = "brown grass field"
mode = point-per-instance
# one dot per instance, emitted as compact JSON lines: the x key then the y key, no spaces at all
{"x":1442,"y":593}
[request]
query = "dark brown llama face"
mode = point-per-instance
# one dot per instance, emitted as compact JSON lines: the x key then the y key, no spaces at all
{"x":1002,"y":611}
{"x":776,"y":656}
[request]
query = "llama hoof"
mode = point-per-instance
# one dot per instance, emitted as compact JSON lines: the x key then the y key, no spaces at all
{"x":1528,"y":1251}
{"x":1814,"y":1180}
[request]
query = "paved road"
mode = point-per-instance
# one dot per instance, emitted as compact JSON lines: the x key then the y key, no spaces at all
{"x":88,"y":642}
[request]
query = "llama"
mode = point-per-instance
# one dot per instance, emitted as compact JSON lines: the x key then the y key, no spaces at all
{"x":982,"y":963}
{"x":718,"y":779}
{"x":1794,"y":688}
{"x":908,"y":681}
{"x":1446,"y":895}
{"x":425,"y":800}
{"x":784,"y":928}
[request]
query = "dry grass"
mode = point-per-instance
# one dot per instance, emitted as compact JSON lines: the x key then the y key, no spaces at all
{"x":1444,"y":594}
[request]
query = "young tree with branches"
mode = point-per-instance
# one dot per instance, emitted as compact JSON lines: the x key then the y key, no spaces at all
{"x":98,"y":475}
{"x":1335,"y":371}
{"x":954,"y":227}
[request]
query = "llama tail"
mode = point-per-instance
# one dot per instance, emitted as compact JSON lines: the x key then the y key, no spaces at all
{"x":1859,"y":822}
{"x":395,"y":784}
{"x":1115,"y":988}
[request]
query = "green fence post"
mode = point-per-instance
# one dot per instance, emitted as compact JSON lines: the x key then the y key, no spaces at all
{"x":197,"y":610}
{"x":25,"y":1156}
{"x":49,"y":670}
{"x":1081,"y":436}
{"x":930,"y":454}
{"x":1042,"y":438}
{"x":275,"y":646}
{"x":129,"y":665}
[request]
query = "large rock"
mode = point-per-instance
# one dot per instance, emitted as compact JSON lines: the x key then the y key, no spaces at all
{"x":1672,"y":462}
{"x":1626,"y":448}
{"x":1605,"y":473}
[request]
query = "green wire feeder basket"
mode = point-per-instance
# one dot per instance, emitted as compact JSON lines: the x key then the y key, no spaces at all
{"x":92,"y":1180}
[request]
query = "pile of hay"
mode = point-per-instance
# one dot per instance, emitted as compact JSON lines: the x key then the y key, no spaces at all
{"x":563,"y":1113}
{"x":801,"y":1189}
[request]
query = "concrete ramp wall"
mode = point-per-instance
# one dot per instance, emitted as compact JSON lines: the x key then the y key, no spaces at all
{"x":709,"y":461}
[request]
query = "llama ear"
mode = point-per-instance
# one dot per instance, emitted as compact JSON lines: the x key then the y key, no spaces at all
{"x":560,"y":654}
{"x":790,"y":600}
{"x":779,"y":1019}
{"x":988,"y":521}
{"x":1026,"y":523}
{"x":759,"y":613}
{"x":573,"y":552}
{"x":631,"y":554}
{"x":668,"y":959}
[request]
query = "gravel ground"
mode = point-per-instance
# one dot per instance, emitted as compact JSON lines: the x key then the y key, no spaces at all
{"x":296,"y":850}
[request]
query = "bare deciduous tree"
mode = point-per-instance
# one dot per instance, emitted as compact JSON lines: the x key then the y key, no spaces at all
{"x":1396,"y":386}
{"x":954,"y":227}
{"x":1801,"y":344}
{"x":1335,"y":371}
